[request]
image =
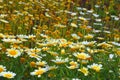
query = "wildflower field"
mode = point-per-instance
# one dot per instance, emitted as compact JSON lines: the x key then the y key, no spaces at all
{"x":59,"y":39}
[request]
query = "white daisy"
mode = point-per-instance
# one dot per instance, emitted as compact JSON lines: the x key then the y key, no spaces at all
{"x":13,"y":53}
{"x":8,"y":74}
{"x":2,"y":68}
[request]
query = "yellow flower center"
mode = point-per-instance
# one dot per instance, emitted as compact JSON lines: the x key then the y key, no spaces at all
{"x":59,"y":62}
{"x":72,"y":67}
{"x":88,"y":36}
{"x":13,"y":52}
{"x":84,"y":71}
{"x":8,"y":75}
{"x":96,"y":68}
{"x":81,"y":56}
{"x":73,"y":64}
{"x":41,"y":63}
{"x":39,"y":72}
{"x":35,"y":50}
{"x":32,"y":64}
{"x":1,"y":70}
{"x":33,"y":54}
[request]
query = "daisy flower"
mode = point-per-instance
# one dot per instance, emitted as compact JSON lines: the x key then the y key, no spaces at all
{"x":13,"y":53}
{"x":38,"y":72}
{"x":31,"y":36}
{"x":84,"y":71}
{"x":74,"y":25}
{"x":59,"y":60}
{"x":73,"y":65}
{"x":53,"y":67}
{"x":34,"y":55}
{"x":2,"y":68}
{"x":35,"y":50}
{"x":82,"y":55}
{"x":75,"y":36}
{"x":8,"y":40}
{"x":45,"y":48}
{"x":105,"y":45}
{"x":96,"y":67}
{"x":41,"y":63}
{"x":8,"y":74}
{"x":89,"y":36}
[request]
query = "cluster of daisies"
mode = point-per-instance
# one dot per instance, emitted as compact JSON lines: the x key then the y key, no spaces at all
{"x":51,"y":53}
{"x":42,"y":38}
